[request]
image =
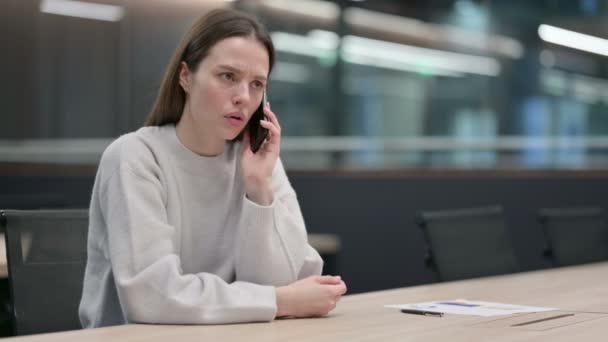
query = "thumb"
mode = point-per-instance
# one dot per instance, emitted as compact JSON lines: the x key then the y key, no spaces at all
{"x":329,"y":280}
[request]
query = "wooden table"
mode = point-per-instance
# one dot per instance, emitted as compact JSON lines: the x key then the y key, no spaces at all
{"x":582,"y":290}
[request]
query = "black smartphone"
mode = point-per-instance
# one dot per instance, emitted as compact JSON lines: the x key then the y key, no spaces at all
{"x":257,"y":133}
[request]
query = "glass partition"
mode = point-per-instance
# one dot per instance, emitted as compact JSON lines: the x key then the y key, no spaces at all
{"x":357,"y":84}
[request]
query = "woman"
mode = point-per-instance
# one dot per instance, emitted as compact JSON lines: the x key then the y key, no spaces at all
{"x":187,"y":224}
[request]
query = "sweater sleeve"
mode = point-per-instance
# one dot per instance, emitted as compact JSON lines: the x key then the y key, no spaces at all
{"x":272,"y":246}
{"x":151,"y":286}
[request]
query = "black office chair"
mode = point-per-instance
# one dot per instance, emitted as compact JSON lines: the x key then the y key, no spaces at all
{"x":575,"y":235}
{"x":468,"y":243}
{"x":46,"y":252}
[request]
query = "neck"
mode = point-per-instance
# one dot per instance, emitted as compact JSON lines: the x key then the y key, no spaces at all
{"x":199,"y":140}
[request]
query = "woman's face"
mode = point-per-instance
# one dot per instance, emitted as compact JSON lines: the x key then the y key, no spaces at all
{"x":227,"y":87}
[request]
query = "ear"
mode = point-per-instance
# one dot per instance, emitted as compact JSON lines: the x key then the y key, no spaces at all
{"x":184,"y":77}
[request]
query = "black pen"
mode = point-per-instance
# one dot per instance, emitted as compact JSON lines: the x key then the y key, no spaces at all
{"x":422,"y":312}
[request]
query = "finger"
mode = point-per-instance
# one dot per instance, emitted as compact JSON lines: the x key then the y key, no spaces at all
{"x":326,"y":279}
{"x":339,"y":289}
{"x":274,"y":135}
{"x":332,"y":305}
{"x":330,"y":280}
{"x":272,"y":117}
{"x":270,"y":126}
{"x":344,"y":288}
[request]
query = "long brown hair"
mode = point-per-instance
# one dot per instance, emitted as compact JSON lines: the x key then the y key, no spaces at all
{"x":208,"y":30}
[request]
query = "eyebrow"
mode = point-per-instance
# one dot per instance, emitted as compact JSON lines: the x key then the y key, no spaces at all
{"x":239,"y":71}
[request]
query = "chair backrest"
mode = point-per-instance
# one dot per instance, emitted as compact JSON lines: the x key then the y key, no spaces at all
{"x":46,"y":252}
{"x":575,"y":235}
{"x":468,"y":243}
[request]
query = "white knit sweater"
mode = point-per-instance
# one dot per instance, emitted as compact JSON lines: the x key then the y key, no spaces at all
{"x":173,"y":239}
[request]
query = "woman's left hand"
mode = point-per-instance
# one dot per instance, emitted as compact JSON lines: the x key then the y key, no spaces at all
{"x":256,"y":168}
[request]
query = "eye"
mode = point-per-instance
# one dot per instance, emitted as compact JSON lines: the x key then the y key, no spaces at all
{"x":228,"y":76}
{"x":258,"y":85}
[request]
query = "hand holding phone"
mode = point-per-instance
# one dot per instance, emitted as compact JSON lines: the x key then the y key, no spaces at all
{"x":257,"y":133}
{"x":257,"y":168}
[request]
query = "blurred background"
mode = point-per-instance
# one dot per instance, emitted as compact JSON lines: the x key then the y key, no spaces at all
{"x":376,"y":84}
{"x":388,"y":108}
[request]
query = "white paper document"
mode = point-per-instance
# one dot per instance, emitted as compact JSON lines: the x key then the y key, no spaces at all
{"x":470,"y":307}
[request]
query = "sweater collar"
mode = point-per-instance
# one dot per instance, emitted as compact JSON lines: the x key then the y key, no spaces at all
{"x":191,"y":159}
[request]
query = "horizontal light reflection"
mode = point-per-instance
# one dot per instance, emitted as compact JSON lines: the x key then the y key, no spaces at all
{"x":573,"y":39}
{"x":384,"y":54}
{"x":81,"y":9}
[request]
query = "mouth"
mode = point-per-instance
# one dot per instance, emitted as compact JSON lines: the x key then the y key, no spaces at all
{"x":235,"y":119}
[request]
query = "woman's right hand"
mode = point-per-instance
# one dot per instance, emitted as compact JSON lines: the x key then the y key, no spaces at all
{"x":309,"y":297}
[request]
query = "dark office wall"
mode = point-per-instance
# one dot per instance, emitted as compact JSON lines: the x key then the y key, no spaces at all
{"x":373,"y":214}
{"x":68,"y":77}
{"x":15,"y":62}
{"x":60,"y":76}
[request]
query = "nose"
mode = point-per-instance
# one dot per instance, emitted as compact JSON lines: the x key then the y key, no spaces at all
{"x":241,"y":96}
